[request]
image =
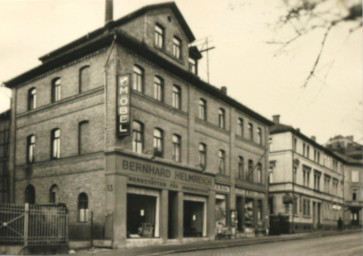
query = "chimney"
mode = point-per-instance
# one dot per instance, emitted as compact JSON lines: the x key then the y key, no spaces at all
{"x":276,"y":119}
{"x":109,"y":12}
{"x":224,"y":90}
{"x":313,"y":138}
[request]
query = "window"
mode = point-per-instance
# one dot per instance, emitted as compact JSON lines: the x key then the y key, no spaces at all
{"x":32,"y":98}
{"x":202,"y":109}
{"x":30,"y":149}
{"x":202,"y":155}
{"x":138,"y":79}
{"x":259,"y":173}
{"x":56,"y":90}
{"x":326,"y":184}
{"x":240,"y":127}
{"x":53,"y":194}
{"x":29,"y":195}
{"x":176,"y":97}
{"x":355,"y":176}
{"x":159,"y":36}
{"x":259,"y":135}
{"x":306,"y":176}
{"x":304,"y":149}
{"x":295,"y":206}
{"x":317,"y":180}
{"x":221,"y":118}
{"x":240,"y":168}
{"x":176,"y":147}
{"x":176,"y":47}
{"x":308,"y":152}
{"x":250,"y":171}
{"x":306,"y":207}
{"x":137,"y":137}
{"x":222,"y":163}
{"x":250,"y":131}
{"x":83,"y":137}
{"x":158,"y":88}
{"x":294,"y":145}
{"x":192,"y":66}
{"x":82,"y":207}
{"x":55,"y":144}
{"x":158,"y":142}
{"x":354,"y":196}
{"x":335,"y":186}
{"x":84,"y":79}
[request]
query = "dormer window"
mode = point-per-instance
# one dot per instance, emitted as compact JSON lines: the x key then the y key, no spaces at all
{"x":176,"y":47}
{"x":159,"y":36}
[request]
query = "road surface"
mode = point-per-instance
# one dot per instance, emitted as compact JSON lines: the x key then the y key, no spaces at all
{"x":339,"y":245}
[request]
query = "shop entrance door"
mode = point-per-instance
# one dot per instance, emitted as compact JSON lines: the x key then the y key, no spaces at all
{"x":193,"y":219}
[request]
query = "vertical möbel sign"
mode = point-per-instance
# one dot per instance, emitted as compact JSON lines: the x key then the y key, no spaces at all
{"x":123,"y":105}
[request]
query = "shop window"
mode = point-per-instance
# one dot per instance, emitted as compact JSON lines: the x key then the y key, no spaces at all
{"x":29,"y":196}
{"x":82,"y":207}
{"x":177,"y":47}
{"x":53,"y":191}
{"x":158,"y":88}
{"x":222,"y":162}
{"x":138,"y":79}
{"x":259,"y":210}
{"x":194,"y":219}
{"x":240,"y":127}
{"x":248,"y":213}
{"x":221,"y":118}
{"x":176,"y":97}
{"x":56,"y":89}
{"x":202,"y":155}
{"x":30,"y":149}
{"x":84,"y":79}
{"x":32,"y":98}
{"x":220,"y":213}
{"x":176,"y":147}
{"x":159,"y":36}
{"x":202,"y":109}
{"x":137,"y":137}
{"x":240,"y":168}
{"x":158,"y":142}
{"x":55,"y":145}
{"x":83,"y":137}
{"x":142,"y":216}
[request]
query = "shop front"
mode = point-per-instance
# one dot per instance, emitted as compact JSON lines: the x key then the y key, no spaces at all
{"x":153,"y":202}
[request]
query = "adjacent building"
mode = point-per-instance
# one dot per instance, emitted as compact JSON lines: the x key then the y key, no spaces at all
{"x":352,"y":152}
{"x":4,"y":156}
{"x":306,"y":182}
{"x":117,"y":125}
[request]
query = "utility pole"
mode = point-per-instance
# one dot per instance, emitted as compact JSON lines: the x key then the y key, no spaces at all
{"x":206,"y":49}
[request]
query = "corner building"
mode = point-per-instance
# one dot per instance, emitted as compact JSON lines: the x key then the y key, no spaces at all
{"x":119,"y":124}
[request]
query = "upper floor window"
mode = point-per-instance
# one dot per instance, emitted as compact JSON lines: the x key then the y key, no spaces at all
{"x":84,"y":79}
{"x":56,"y":89}
{"x":327,"y":183}
{"x":240,"y":168}
{"x":259,"y":173}
{"x":176,"y":99}
{"x":306,"y":176}
{"x":202,"y":155}
{"x":317,"y":180}
{"x":158,"y":88}
{"x":32,"y":98}
{"x":355,"y":176}
{"x":222,"y":162}
{"x":294,"y":145}
{"x":221,"y":118}
{"x":137,"y":137}
{"x":177,"y":47}
{"x":138,"y":79}
{"x":250,"y":171}
{"x":176,"y":147}
{"x":202,"y":109}
{"x":30,"y":149}
{"x":55,"y":138}
{"x":307,"y":151}
{"x":250,"y":131}
{"x":259,"y":135}
{"x":83,"y":137}
{"x":240,"y":127}
{"x":192,"y":66}
{"x":82,"y":207}
{"x":158,"y":142}
{"x":53,"y":194}
{"x":159,"y":36}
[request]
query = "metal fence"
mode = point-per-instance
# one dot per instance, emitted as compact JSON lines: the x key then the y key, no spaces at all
{"x":33,"y":224}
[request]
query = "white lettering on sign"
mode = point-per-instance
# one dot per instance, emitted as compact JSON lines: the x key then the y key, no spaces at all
{"x":123,"y":105}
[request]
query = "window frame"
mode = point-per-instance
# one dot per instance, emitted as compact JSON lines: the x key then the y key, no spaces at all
{"x":83,"y":207}
{"x":158,"y":142}
{"x":137,"y":137}
{"x":177,"y":47}
{"x":138,"y":78}
{"x":259,"y":136}
{"x":221,"y":162}
{"x":30,"y":154}
{"x":221,"y":118}
{"x":32,"y":98}
{"x":176,"y":142}
{"x":176,"y":97}
{"x":55,"y":144}
{"x":202,"y":149}
{"x":202,"y":109}
{"x":241,"y":168}
{"x":159,"y":34}
{"x":81,"y":83}
{"x":158,"y":93}
{"x":250,"y":131}
{"x":56,"y":90}
{"x":240,"y":122}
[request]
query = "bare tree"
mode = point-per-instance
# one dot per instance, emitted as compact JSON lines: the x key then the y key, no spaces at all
{"x":304,"y":16}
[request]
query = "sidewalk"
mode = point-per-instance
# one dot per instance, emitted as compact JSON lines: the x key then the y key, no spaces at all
{"x":168,"y":249}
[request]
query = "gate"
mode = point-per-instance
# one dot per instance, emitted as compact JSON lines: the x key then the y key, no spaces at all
{"x":33,"y":224}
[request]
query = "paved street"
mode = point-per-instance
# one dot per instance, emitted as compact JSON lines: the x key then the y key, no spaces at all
{"x":340,"y":245}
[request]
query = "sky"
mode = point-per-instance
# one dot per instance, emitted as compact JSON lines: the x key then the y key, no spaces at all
{"x":256,"y":73}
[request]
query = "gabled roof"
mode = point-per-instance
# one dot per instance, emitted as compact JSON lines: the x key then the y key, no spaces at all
{"x":121,"y":21}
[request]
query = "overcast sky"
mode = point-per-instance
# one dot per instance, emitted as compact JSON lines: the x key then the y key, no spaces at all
{"x":255,"y":73}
